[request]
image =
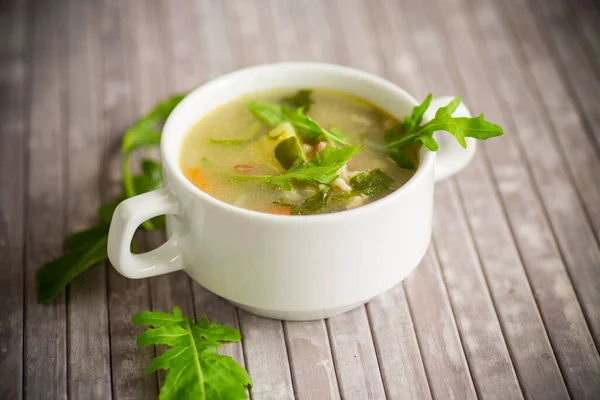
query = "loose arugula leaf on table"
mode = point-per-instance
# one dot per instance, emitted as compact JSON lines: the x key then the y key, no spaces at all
{"x":195,"y":370}
{"x":302,"y":99}
{"x":87,"y":248}
{"x":313,"y":204}
{"x":411,"y":131}
{"x":274,"y":114}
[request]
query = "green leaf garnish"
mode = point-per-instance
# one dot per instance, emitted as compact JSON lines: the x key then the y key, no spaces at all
{"x":302,"y":99}
{"x":195,"y":370}
{"x":411,"y":131}
{"x":372,"y":183}
{"x":274,"y":114}
{"x":323,"y":168}
{"x":313,"y":204}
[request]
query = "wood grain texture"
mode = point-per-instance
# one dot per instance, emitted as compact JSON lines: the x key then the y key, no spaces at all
{"x":505,"y":304}
{"x":580,"y":364}
{"x":14,"y":71}
{"x":487,"y":354}
{"x":87,"y":310}
{"x":514,"y":202}
{"x":45,"y":353}
{"x":266,"y":357}
{"x":126,"y":297}
{"x":571,"y":55}
{"x":569,"y":133}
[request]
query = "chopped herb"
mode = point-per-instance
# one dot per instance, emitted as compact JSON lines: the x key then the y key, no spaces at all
{"x":372,"y":183}
{"x":411,"y":131}
{"x":195,"y":369}
{"x":302,"y":99}
{"x":313,"y":204}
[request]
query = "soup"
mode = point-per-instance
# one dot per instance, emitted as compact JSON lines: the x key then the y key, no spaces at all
{"x":295,"y":152}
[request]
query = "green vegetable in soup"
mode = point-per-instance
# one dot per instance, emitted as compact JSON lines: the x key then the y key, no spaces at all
{"x":274,"y":114}
{"x":288,"y":151}
{"x":372,"y":183}
{"x":321,"y":169}
{"x":411,"y":131}
{"x":313,"y":204}
{"x":302,"y":99}
{"x":195,"y":369}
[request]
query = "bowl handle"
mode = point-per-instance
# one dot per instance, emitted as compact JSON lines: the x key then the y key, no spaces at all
{"x":130,"y":214}
{"x":451,"y":156}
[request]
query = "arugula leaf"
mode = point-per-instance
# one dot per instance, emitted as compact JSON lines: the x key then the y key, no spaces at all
{"x":411,"y":132}
{"x":145,"y":133}
{"x":314,"y":203}
{"x":372,"y":183}
{"x":84,"y":250}
{"x":302,"y":99}
{"x":195,"y":370}
{"x":274,"y":114}
{"x":321,"y":169}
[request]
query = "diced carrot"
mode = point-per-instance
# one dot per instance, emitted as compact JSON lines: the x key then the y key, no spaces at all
{"x":244,"y":168}
{"x":196,"y":178}
{"x":281,"y":209}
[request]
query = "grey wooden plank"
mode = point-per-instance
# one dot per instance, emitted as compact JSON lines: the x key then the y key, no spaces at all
{"x":443,"y":355}
{"x":45,"y":363}
{"x":216,"y":36}
{"x":560,"y":109}
{"x":575,"y":348}
{"x":126,"y":297}
{"x":400,"y":362}
{"x":311,"y":361}
{"x":266,"y":357}
{"x":309,"y":352}
{"x":559,"y":309}
{"x":312,"y":30}
{"x":572,"y":228}
{"x":354,"y":355}
{"x":87,"y":327}
{"x":584,"y":17}
{"x":434,"y":67}
{"x":571,"y":55}
{"x":13,"y":149}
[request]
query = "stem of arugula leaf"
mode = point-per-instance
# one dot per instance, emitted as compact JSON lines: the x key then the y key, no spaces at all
{"x":406,"y":140}
{"x":129,"y":187}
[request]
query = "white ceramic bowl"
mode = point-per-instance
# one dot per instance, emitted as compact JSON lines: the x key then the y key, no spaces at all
{"x":287,"y":267}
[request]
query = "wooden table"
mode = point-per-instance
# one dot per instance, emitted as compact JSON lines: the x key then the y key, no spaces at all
{"x":505,"y":305}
